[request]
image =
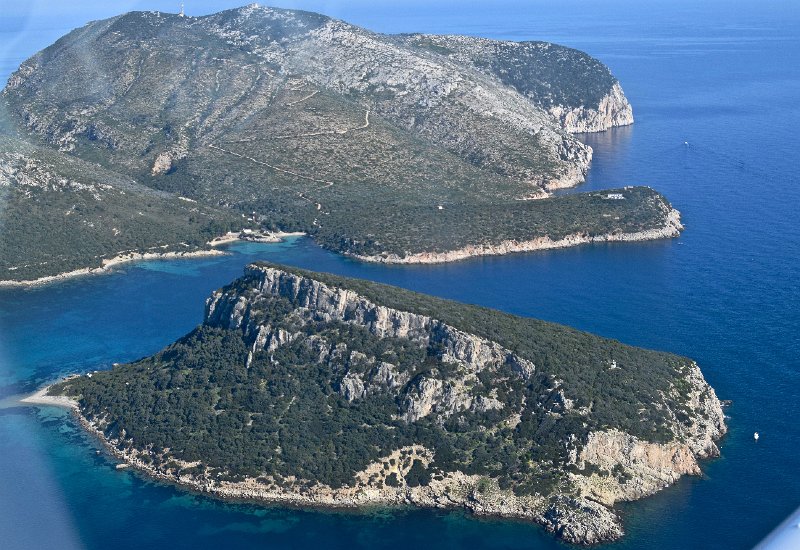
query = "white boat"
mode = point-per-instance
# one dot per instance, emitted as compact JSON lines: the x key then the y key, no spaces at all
{"x":755,"y":436}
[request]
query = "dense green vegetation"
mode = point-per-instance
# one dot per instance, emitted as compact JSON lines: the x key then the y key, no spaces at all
{"x":578,"y":360}
{"x":283,"y":416}
{"x":58,"y":213}
{"x":404,"y":229}
{"x":284,"y":412}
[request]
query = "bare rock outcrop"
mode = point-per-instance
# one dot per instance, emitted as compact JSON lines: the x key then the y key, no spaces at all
{"x":614,"y":110}
{"x":317,"y":301}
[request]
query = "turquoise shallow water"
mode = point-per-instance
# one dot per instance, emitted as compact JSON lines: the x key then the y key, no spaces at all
{"x":727,"y":293}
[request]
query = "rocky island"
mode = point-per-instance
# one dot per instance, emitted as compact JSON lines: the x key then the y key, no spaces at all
{"x":318,"y":390}
{"x":153,"y":130}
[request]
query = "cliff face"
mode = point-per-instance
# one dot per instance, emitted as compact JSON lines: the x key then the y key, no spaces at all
{"x":544,"y":74}
{"x":613,"y":110}
{"x":317,"y":302}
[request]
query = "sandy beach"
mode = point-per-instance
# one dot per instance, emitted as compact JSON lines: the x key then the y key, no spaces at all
{"x":234,"y":236}
{"x":108,"y":264}
{"x":40,"y":397}
{"x":124,"y":257}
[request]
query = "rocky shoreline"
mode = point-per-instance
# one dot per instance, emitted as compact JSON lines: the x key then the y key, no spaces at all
{"x":586,"y":518}
{"x":672,"y":228}
{"x":575,"y":520}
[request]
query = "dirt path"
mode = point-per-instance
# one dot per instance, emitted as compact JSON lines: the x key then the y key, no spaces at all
{"x":302,"y":99}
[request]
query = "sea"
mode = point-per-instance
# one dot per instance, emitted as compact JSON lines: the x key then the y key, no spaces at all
{"x":715,"y":88}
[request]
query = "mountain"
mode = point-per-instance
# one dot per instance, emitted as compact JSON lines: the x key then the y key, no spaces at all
{"x":360,"y":139}
{"x":315,"y":389}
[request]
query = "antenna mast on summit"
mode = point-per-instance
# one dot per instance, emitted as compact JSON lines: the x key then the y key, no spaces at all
{"x":182,"y":14}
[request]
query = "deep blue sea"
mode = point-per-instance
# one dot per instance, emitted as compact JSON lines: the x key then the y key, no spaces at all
{"x":723,"y":77}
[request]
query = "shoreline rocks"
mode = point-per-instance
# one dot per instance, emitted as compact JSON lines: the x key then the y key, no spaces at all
{"x":576,"y":520}
{"x":672,"y":228}
{"x":586,"y":517}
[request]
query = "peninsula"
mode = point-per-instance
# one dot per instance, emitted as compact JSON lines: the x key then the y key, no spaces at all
{"x":319,"y":390}
{"x":153,"y":130}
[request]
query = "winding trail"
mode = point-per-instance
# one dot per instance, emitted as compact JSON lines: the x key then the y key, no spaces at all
{"x":302,"y":99}
{"x":310,"y":134}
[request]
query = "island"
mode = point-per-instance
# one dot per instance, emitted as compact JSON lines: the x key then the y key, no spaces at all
{"x":152,"y":132}
{"x":313,"y":389}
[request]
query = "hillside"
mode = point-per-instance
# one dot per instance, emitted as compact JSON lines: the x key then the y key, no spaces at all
{"x":59,"y":214}
{"x":315,"y":389}
{"x":310,"y":123}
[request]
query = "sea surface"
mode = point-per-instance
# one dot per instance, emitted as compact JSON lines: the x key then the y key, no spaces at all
{"x":716,"y":93}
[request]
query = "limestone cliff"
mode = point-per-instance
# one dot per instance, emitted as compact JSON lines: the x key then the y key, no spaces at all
{"x":613,"y":110}
{"x":317,"y":302}
{"x":532,"y":69}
